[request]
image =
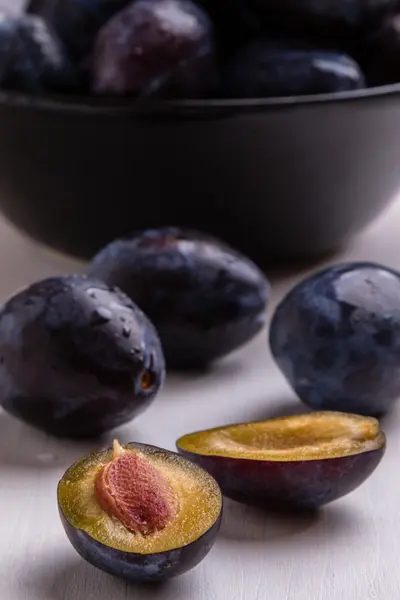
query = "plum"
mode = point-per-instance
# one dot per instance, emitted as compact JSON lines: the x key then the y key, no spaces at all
{"x":336,"y":338}
{"x":341,"y":17}
{"x":77,"y":22}
{"x":267,"y":67}
{"x":205,"y":298}
{"x":300,"y":461}
{"x":139,"y":512}
{"x":155,"y":48}
{"x":32,"y":57}
{"x":77,"y":358}
{"x":382,"y":64}
{"x":235,"y":23}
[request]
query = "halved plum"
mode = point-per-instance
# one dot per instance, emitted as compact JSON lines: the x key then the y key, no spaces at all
{"x":139,"y":512}
{"x":301,"y":461}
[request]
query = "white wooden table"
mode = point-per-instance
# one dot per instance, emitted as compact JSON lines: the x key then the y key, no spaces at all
{"x":349,"y":552}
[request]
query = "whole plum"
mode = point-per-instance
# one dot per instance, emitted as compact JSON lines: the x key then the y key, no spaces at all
{"x":155,"y":48}
{"x":382,"y":65}
{"x":336,"y":338}
{"x":341,"y":17}
{"x":77,"y":358}
{"x":235,"y":23}
{"x":33,"y":59}
{"x":77,"y":22}
{"x":288,"y":68}
{"x":205,"y":298}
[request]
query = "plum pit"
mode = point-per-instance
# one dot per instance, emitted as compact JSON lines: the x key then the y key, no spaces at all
{"x":132,"y":490}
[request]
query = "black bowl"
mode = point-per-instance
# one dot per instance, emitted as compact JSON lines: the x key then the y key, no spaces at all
{"x":277,"y":178}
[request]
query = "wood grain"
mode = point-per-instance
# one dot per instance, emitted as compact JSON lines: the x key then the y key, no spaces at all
{"x":348,"y":552}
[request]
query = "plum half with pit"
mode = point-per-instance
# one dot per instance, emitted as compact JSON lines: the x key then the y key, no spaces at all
{"x":139,"y":512}
{"x":32,"y":58}
{"x":266,"y":68}
{"x":77,"y":358}
{"x":336,"y":338}
{"x":205,"y":298}
{"x":155,"y":48}
{"x":295,"y":462}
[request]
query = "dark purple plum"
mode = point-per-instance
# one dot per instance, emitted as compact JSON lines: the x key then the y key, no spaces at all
{"x":339,"y":17}
{"x":235,"y":23}
{"x":205,"y":298}
{"x":77,"y":358}
{"x":301,"y":461}
{"x":288,"y":68}
{"x":382,"y":65}
{"x":7,"y":43}
{"x":101,"y":538}
{"x":33,"y":59}
{"x":155,"y":48}
{"x":77,"y":22}
{"x":336,"y":338}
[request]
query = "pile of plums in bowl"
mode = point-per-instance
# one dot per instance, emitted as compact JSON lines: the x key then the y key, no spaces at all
{"x":208,"y":48}
{"x":83,"y":354}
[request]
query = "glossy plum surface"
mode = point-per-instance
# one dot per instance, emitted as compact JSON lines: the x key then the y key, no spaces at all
{"x":289,"y":68}
{"x":147,"y":565}
{"x":32,"y":58}
{"x":205,"y":298}
{"x":77,"y":358}
{"x":336,"y":338}
{"x":155,"y":48}
{"x":77,"y":22}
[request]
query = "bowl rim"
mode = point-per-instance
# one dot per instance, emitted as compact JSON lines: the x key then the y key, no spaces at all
{"x":111,"y":105}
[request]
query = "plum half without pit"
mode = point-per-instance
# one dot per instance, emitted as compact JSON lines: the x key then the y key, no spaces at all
{"x":204,"y":298}
{"x":295,"y":462}
{"x":77,"y":358}
{"x":140,"y":512}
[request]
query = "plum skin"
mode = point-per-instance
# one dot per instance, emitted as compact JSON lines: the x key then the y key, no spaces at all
{"x":337,"y":16}
{"x":72,"y":351}
{"x":77,"y":22}
{"x":205,"y":299}
{"x":288,"y":484}
{"x":33,"y":59}
{"x":135,"y":567}
{"x":338,"y":343}
{"x":155,"y":49}
{"x":382,"y":60}
{"x":288,"y":67}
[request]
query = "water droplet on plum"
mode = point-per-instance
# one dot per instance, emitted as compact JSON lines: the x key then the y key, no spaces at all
{"x":101,"y":316}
